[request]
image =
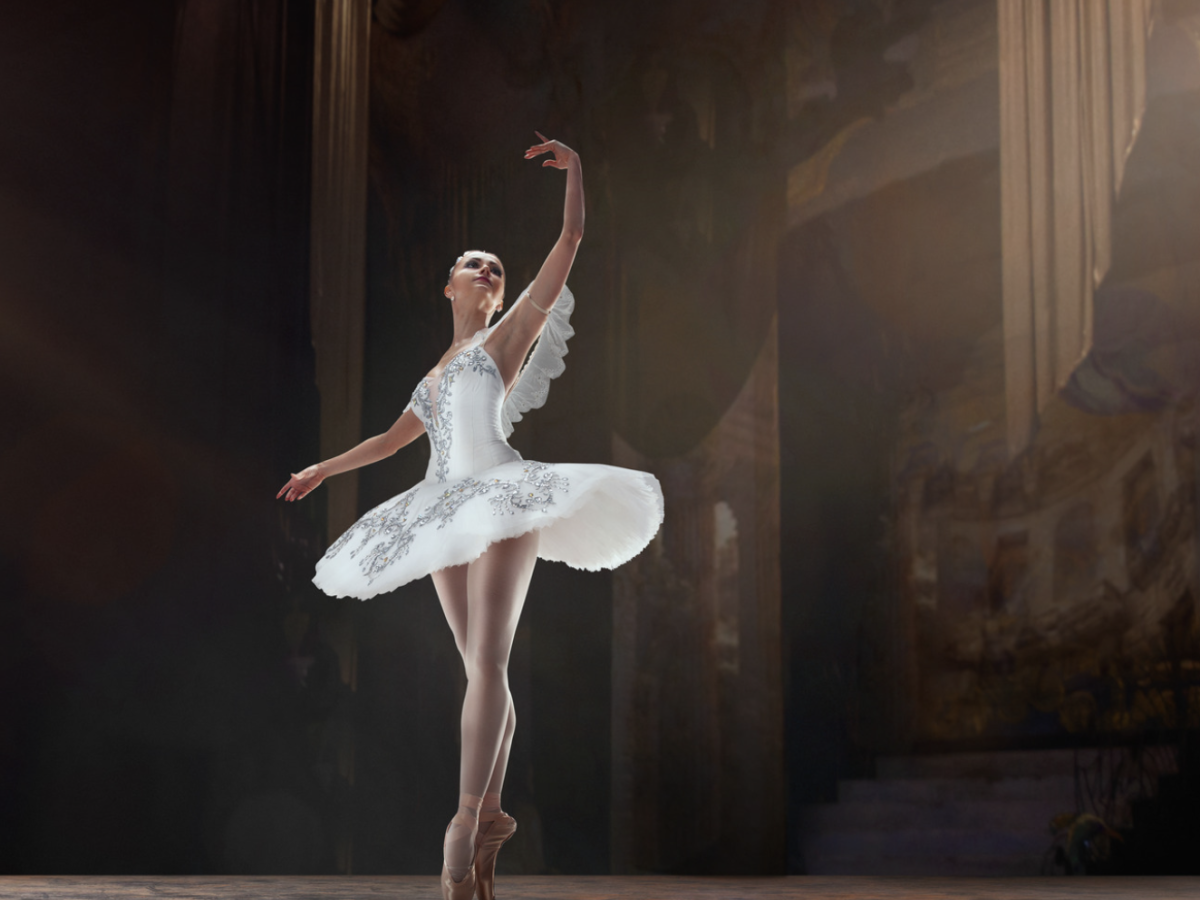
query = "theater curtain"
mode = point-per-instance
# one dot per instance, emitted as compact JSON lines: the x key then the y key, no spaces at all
{"x":339,"y":233}
{"x":1072,"y":93}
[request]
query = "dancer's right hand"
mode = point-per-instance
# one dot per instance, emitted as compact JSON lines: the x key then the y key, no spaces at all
{"x":301,"y":483}
{"x":563,"y":155}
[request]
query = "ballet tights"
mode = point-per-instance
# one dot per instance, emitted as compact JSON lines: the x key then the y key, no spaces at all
{"x":482,"y":601}
{"x":490,"y":811}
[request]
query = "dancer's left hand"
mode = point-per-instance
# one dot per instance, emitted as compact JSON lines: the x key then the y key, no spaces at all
{"x":563,"y":155}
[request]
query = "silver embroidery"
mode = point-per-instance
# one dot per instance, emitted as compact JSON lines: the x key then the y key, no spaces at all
{"x":420,"y":401}
{"x":388,"y":521}
{"x":442,"y":433}
{"x":533,"y":490}
{"x":480,"y":362}
{"x":436,"y":428}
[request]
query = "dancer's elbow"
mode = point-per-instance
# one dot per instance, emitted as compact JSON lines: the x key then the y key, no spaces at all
{"x":387,"y":445}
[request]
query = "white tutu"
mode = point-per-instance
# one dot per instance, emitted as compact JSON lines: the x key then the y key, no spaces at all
{"x":478,"y":489}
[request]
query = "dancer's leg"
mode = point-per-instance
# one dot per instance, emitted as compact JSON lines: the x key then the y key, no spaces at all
{"x":496,"y":586}
{"x":491,"y":810}
{"x":451,"y":585}
{"x":496,"y":782}
{"x":483,"y":618}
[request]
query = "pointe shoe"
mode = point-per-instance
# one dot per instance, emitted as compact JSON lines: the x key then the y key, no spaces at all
{"x":465,"y":889}
{"x":487,"y":845}
{"x":458,"y":890}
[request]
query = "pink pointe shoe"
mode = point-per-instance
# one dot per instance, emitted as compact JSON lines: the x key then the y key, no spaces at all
{"x":463,"y":889}
{"x":487,"y":845}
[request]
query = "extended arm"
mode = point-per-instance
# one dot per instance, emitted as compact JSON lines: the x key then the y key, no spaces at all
{"x":405,"y":430}
{"x":512,"y":341}
{"x":553,"y":275}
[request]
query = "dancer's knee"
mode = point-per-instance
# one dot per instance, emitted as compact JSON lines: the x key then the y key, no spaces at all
{"x":487,"y":668}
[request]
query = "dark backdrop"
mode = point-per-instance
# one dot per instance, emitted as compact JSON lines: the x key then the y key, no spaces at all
{"x":157,"y":383}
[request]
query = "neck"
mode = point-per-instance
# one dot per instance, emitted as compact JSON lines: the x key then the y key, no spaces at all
{"x":468,"y":323}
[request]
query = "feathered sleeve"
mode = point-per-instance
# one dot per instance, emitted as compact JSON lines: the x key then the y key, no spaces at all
{"x":545,"y":363}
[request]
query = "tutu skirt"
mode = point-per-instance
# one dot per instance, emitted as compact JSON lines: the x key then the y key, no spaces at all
{"x":588,"y":516}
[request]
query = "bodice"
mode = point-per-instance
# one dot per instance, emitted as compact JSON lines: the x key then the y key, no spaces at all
{"x":461,"y":415}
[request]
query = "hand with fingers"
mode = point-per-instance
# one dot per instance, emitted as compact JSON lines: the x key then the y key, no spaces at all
{"x":563,"y":155}
{"x":301,"y":483}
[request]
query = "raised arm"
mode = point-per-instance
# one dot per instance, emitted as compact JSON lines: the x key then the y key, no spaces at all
{"x":522,"y":326}
{"x":404,"y":431}
{"x":553,"y":275}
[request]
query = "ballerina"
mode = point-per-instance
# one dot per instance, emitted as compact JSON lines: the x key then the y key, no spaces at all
{"x":483,"y":515}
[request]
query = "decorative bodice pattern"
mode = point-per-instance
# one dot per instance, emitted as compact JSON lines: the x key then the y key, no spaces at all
{"x":462,"y":418}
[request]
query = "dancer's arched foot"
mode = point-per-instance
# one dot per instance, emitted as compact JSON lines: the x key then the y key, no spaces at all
{"x":495,"y":827}
{"x":458,"y":864}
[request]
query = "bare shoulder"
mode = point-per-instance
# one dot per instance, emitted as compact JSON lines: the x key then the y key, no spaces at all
{"x":510,"y":343}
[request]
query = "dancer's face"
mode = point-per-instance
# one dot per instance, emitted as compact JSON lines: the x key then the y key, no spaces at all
{"x":478,"y":280}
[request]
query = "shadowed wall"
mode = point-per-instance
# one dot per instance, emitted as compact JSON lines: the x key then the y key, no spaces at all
{"x":157,"y":384}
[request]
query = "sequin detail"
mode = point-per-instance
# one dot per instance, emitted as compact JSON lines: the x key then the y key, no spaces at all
{"x":439,"y":421}
{"x":386,"y":534}
{"x":534,"y":490}
{"x":389,"y":521}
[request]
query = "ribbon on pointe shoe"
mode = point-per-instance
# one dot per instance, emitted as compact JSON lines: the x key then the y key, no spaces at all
{"x":459,"y":848}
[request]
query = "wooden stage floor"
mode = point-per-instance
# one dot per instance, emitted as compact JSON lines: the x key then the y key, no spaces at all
{"x":595,"y":887}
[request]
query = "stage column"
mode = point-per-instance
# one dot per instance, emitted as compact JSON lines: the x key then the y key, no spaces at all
{"x":697,"y":721}
{"x":338,"y":285}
